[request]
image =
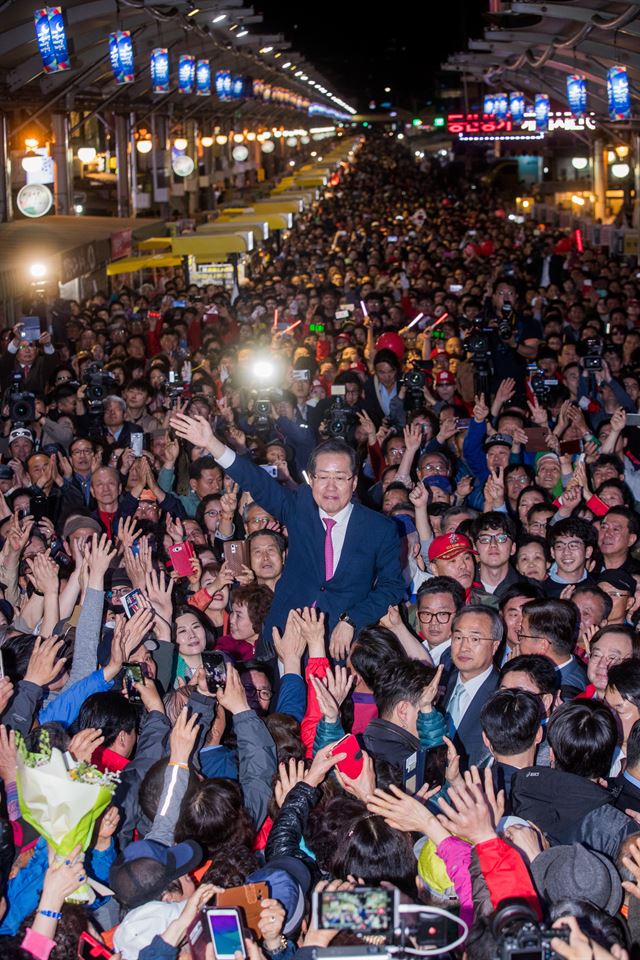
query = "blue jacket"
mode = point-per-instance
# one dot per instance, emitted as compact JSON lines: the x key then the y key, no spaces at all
{"x":65,"y":708}
{"x":368,"y":578}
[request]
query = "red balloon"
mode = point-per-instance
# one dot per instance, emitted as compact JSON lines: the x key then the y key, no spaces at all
{"x":563,"y":245}
{"x":391,"y":341}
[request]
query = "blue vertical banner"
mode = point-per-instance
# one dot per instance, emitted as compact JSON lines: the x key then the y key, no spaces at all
{"x":160,"y":70}
{"x":541,"y":110}
{"x":121,"y":56}
{"x":489,"y":105}
{"x":500,"y":105}
{"x":577,"y":95}
{"x":516,"y":106}
{"x":52,"y":39}
{"x":186,"y":73}
{"x":203,"y":78}
{"x":237,"y":87}
{"x":618,"y":94}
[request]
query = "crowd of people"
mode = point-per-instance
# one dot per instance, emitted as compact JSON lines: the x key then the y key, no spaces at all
{"x":337,"y":576}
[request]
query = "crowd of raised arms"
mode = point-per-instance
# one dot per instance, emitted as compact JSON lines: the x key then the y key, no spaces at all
{"x":331,"y":583}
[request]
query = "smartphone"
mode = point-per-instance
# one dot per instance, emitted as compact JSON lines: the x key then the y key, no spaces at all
{"x":30,"y":328}
{"x":89,"y":948}
{"x":342,"y":315}
{"x":178,"y":303}
{"x":535,"y":439}
{"x":588,"y":282}
{"x":38,"y":508}
{"x":225,"y":929}
{"x":181,"y":555}
{"x":133,"y":674}
{"x":455,"y":288}
{"x":301,"y":374}
{"x":271,"y":469}
{"x":633,"y":419}
{"x":462,"y":423}
{"x":215,"y":669}
{"x":137,"y":443}
{"x":570,"y":447}
{"x":363,"y":911}
{"x":353,"y":763}
{"x":235,"y":555}
{"x":338,"y":390}
{"x":131,"y":603}
{"x":392,"y":239}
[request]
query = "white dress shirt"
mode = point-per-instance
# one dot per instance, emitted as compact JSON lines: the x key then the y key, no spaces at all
{"x":470,"y":688}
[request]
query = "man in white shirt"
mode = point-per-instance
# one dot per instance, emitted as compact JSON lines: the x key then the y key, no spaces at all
{"x":476,"y":634}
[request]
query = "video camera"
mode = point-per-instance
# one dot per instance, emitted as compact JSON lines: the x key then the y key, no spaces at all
{"x":505,"y":322}
{"x":541,"y":384}
{"x":22,"y":403}
{"x":173,"y":388}
{"x":478,"y":344}
{"x":520,"y":936}
{"x":593,"y":359}
{"x":99,"y":385}
{"x":340,"y":420}
{"x":414,"y":381}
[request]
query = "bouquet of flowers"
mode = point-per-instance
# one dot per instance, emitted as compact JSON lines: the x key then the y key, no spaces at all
{"x":62,"y":799}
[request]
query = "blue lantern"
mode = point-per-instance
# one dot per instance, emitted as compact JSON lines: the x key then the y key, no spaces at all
{"x":516,"y":106}
{"x":121,"y":56}
{"x":618,"y":94}
{"x":186,"y":73}
{"x":160,"y":70}
{"x":541,"y":110}
{"x":203,"y":78}
{"x":489,"y":105}
{"x":52,"y":39}
{"x":577,"y":95}
{"x":500,"y":106}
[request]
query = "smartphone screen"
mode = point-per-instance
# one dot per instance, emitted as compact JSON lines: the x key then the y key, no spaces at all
{"x":226,"y":932}
{"x":133,"y":674}
{"x":131,"y":603}
{"x":215,"y":669}
{"x":362,"y":911}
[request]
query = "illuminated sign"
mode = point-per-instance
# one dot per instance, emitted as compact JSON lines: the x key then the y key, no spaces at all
{"x":186,"y":73}
{"x":52,"y":39}
{"x":121,"y":56}
{"x":562,"y":121}
{"x":618,"y":94}
{"x":541,"y":111}
{"x":203,"y":78}
{"x":478,"y":126}
{"x":160,"y":70}
{"x":577,"y":95}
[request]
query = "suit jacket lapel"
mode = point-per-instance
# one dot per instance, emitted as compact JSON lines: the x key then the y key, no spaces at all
{"x":349,"y":542}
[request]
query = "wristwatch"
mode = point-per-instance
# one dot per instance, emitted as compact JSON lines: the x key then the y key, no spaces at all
{"x":345,"y":618}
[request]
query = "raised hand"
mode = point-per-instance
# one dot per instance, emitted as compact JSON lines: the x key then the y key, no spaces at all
{"x":364,"y":785}
{"x":183,"y":736}
{"x":288,"y":775}
{"x":322,"y":763}
{"x":196,"y":430}
{"x":44,"y":663}
{"x":233,"y":696}
{"x":83,"y":744}
{"x":101,"y":554}
{"x":404,"y":812}
{"x":480,"y":409}
{"x":291,"y":644}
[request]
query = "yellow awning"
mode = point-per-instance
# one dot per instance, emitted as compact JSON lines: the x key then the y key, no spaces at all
{"x":202,"y":247}
{"x":312,"y":181}
{"x":277,"y":206}
{"x":155,"y":243}
{"x":133,"y":264}
{"x":259,"y":231}
{"x":275,"y":221}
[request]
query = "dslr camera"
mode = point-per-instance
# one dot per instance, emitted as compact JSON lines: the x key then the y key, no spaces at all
{"x":540,"y":384}
{"x":414,"y":381}
{"x":340,"y":420}
{"x":520,"y":936}
{"x":593,"y":359}
{"x":505,"y":322}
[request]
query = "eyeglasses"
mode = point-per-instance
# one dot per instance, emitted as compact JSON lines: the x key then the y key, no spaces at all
{"x":259,"y":521}
{"x":473,"y":641}
{"x":538,"y":524}
{"x":617,"y":593}
{"x":338,"y":477}
{"x":530,"y":636}
{"x":522,"y":481}
{"x":81,"y":450}
{"x":212,"y":513}
{"x":262,"y":693}
{"x":572,"y":545}
{"x":442,"y":616}
{"x":487,"y":538}
{"x":434,"y":468}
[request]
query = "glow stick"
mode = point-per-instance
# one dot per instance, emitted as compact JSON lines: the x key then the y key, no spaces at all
{"x":412,"y":324}
{"x":275,"y":319}
{"x":292,"y":327}
{"x":363,"y":308}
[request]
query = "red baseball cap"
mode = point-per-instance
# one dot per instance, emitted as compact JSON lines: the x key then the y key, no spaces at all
{"x":445,"y":376}
{"x":449,"y":545}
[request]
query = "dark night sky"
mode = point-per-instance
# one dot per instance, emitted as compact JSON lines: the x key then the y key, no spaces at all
{"x":361,"y":48}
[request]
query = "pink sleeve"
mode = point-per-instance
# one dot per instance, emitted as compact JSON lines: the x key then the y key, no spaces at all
{"x":456,"y":855}
{"x":37,"y":945}
{"x":317,"y":667}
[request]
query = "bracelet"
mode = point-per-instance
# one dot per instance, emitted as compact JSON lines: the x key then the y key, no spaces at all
{"x":51,"y":914}
{"x":183,"y":766}
{"x":284,"y":943}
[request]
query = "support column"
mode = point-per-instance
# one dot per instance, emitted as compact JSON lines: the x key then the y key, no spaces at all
{"x":191,"y":183}
{"x":63,"y":164}
{"x":635,"y":159}
{"x":599,"y":179}
{"x":133,"y":164}
{"x":6,"y":201}
{"x":123,"y":183}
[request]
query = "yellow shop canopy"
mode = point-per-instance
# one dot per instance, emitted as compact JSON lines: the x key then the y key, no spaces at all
{"x":216,"y":245}
{"x":275,"y":221}
{"x":259,"y":229}
{"x":155,"y":243}
{"x":133,"y":264}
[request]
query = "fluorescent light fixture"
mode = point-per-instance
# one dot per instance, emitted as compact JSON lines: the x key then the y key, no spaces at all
{"x":219,"y":18}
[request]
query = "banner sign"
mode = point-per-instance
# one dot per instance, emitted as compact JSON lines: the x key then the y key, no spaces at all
{"x":52,"y":39}
{"x":618,"y":94}
{"x":577,"y":95}
{"x":160,"y":70}
{"x":186,"y":73}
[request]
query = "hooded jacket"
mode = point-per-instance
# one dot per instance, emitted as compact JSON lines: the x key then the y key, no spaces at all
{"x":570,"y":809}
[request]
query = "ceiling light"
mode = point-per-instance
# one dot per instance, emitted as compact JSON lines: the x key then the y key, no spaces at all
{"x":193,"y":12}
{"x":277,"y":56}
{"x":620,"y":170}
{"x":238,"y":137}
{"x":87,"y":154}
{"x":579,"y":163}
{"x":31,"y":143}
{"x":242,"y":33}
{"x":265,"y":50}
{"x":207,"y":141}
{"x":387,"y":89}
{"x":38,"y":270}
{"x":234,"y":26}
{"x":286,"y":65}
{"x":251,"y":136}
{"x":221,"y":139}
{"x":144,"y":146}
{"x":179,"y":143}
{"x":219,"y":18}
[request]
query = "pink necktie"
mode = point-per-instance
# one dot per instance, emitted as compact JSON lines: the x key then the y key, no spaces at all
{"x":328,"y":548}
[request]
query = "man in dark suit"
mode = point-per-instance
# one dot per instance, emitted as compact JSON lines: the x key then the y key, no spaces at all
{"x":629,"y":782}
{"x":343,"y":558}
{"x":24,"y":357}
{"x":476,"y":634}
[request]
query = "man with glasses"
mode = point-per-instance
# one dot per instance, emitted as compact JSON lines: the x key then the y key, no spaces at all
{"x":256,"y":517}
{"x":439,"y":599}
{"x":476,"y":634}
{"x":620,"y":586}
{"x":550,"y":628}
{"x":493,"y":534}
{"x":571,"y":544}
{"x":343,"y":558}
{"x":609,"y":647}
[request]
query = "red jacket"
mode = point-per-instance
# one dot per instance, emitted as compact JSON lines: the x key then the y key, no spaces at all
{"x":505,"y":873}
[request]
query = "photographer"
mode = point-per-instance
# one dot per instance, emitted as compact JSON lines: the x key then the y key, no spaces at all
{"x":513,"y":337}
